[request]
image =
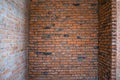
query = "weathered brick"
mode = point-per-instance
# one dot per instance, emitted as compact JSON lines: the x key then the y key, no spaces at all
{"x":68,"y":40}
{"x":107,"y":34}
{"x":68,"y":44}
{"x":13,"y":39}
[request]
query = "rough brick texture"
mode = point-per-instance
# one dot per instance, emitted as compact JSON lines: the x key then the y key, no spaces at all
{"x":68,"y":40}
{"x":118,"y":40}
{"x":107,"y":40}
{"x":63,"y":40}
{"x":13,"y":39}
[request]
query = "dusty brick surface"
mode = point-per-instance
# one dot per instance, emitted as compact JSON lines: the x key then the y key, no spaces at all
{"x":63,"y":40}
{"x":13,"y":39}
{"x":118,"y":40}
{"x":107,"y":40}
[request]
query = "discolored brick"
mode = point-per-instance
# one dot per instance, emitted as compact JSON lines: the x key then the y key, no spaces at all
{"x":66,"y":35}
{"x":44,"y":73}
{"x":47,"y":53}
{"x":77,"y":4}
{"x":81,"y":57}
{"x":79,"y":37}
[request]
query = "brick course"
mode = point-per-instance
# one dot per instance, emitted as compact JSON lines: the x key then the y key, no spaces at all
{"x":13,"y":39}
{"x":63,"y":40}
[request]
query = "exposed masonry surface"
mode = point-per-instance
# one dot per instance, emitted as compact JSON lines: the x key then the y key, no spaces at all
{"x":13,"y":39}
{"x":68,"y":40}
{"x":118,"y":40}
{"x":63,"y":40}
{"x":107,"y":40}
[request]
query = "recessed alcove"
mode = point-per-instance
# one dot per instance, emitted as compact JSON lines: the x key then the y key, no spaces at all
{"x":59,"y":40}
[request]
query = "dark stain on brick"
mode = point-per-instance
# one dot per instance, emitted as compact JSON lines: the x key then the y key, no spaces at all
{"x":67,"y":16}
{"x":46,"y":36}
{"x":43,"y":53}
{"x":66,"y":35}
{"x":77,"y":4}
{"x":59,"y":29}
{"x":78,"y":37}
{"x":52,"y":25}
{"x":49,"y":12}
{"x":44,"y":73}
{"x":96,"y":47}
{"x":47,"y":27}
{"x":81,"y":57}
{"x":38,"y":53}
{"x":47,"y":53}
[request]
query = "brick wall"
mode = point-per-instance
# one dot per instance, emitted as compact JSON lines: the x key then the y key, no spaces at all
{"x":63,"y":40}
{"x":107,"y":40}
{"x":13,"y":39}
{"x":118,"y":39}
